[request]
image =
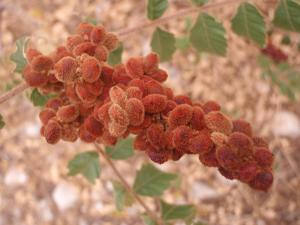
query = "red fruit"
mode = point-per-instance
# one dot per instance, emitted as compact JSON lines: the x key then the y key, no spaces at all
{"x":155,"y":103}
{"x":118,"y":96}
{"x":31,"y":53}
{"x":33,"y":78}
{"x":156,"y":136}
{"x":218,"y":138}
{"x":181,"y":138}
{"x":247,"y":172}
{"x":227,"y":158}
{"x":66,"y":69}
{"x":69,"y":134}
{"x":241,"y":144}
{"x":111,"y":41}
{"x":52,"y":132}
{"x":209,"y":159}
{"x":134,"y":92}
{"x":46,"y":114}
{"x":101,"y":53}
{"x":150,"y":63}
{"x":41,"y":63}
{"x":217,"y":121}
{"x":211,"y":106}
{"x":242,"y":126}
{"x":263,"y":157}
{"x":84,"y":94}
{"x":98,"y":34}
{"x":68,"y":113}
{"x":197,"y":121}
{"x":262,"y":181}
{"x":182,"y":99}
{"x":180,"y":115}
{"x":154,"y":87}
{"x":201,"y":144}
{"x":169,"y":107}
{"x":135,"y":111}
{"x":118,"y":115}
{"x":85,"y":47}
{"x":84,"y":29}
{"x":73,"y":41}
{"x":134,"y":67}
{"x":86,"y":136}
{"x":159,"y":75}
{"x":158,"y":157}
{"x":117,"y":129}
{"x":54,"y":103}
{"x":90,"y":69}
{"x":93,"y":126}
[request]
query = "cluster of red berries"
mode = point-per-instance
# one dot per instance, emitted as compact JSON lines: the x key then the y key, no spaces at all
{"x":275,"y":53}
{"x":99,"y":103}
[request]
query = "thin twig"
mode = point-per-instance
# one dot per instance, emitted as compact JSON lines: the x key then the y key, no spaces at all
{"x":16,"y":90}
{"x":127,"y":186}
{"x":181,"y":13}
{"x":126,"y":31}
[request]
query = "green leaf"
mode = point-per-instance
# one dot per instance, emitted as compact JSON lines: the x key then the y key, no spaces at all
{"x":175,"y":212}
{"x":122,"y":150}
{"x":188,"y":23}
{"x":163,"y":43}
{"x":208,"y":35}
{"x":122,"y":197}
{"x":156,"y":8}
{"x":264,"y":62}
{"x":18,"y":57}
{"x":91,"y":20}
{"x":249,"y":23}
{"x":182,"y":43}
{"x":115,"y":57}
{"x":286,"y":90}
{"x":39,"y":99}
{"x":287,"y":15}
{"x":148,"y":221}
{"x":199,"y":2}
{"x":86,"y":164}
{"x":2,"y":123}
{"x":150,"y":181}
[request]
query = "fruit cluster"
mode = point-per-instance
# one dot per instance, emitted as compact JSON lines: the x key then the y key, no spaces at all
{"x":99,"y":103}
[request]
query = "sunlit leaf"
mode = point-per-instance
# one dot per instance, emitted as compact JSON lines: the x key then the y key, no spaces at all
{"x":122,"y":150}
{"x":39,"y":99}
{"x":122,"y":197}
{"x":156,"y":8}
{"x":175,"y":212}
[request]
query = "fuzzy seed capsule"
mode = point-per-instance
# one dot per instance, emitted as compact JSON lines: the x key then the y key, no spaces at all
{"x":68,"y":113}
{"x":118,"y":115}
{"x":90,"y":69}
{"x":46,"y":114}
{"x":154,"y":103}
{"x":33,"y":78}
{"x":66,"y":69}
{"x":180,"y":115}
{"x":98,"y":34}
{"x":41,"y":63}
{"x":217,"y":121}
{"x":135,"y":111}
{"x":53,"y":132}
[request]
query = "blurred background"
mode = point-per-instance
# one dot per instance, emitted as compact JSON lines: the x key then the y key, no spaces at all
{"x":34,"y":186}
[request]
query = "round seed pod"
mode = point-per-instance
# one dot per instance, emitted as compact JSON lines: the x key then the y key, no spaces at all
{"x":118,"y":96}
{"x":175,"y":155}
{"x":54,"y":103}
{"x":84,"y":48}
{"x":71,"y":92}
{"x":73,"y":41}
{"x":181,"y":138}
{"x":197,"y":120}
{"x":159,"y":75}
{"x":158,"y":157}
{"x":33,"y":78}
{"x":154,"y":103}
{"x":241,"y":144}
{"x":262,"y":181}
{"x":84,"y":29}
{"x":86,"y":136}
{"x":180,"y":115}
{"x":68,"y":113}
{"x":69,"y":133}
{"x":226,"y":173}
{"x":93,"y":126}
{"x":201,"y":144}
{"x":31,"y":53}
{"x":60,"y":53}
{"x":111,"y":41}
{"x":247,"y":172}
{"x":84,"y":94}
{"x":227,"y":158}
{"x":116,"y":129}
{"x":242,"y":126}
{"x":154,"y":87}
{"x":137,"y":83}
{"x":170,"y":105}
{"x":263,"y":157}
{"x":260,"y":142}
{"x":211,"y":106}
{"x":118,"y":115}
{"x":134,"y":67}
{"x":90,"y":69}
{"x":156,"y":136}
{"x":209,"y":159}
{"x":103,"y":114}
{"x":41,"y":63}
{"x":169,"y":93}
{"x":150,"y":63}
{"x":66,"y":69}
{"x":107,"y":139}
{"x":218,"y":138}
{"x":135,"y":111}
{"x":134,"y":92}
{"x":217,"y":121}
{"x":46,"y":114}
{"x":98,"y":34}
{"x":53,"y":132}
{"x":95,"y":88}
{"x":101,"y":53}
{"x":182,"y":99}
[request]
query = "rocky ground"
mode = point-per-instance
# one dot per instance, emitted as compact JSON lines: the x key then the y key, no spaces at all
{"x":34,"y":186}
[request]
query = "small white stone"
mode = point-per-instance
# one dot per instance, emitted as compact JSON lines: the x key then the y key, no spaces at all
{"x":15,"y":176}
{"x":202,"y":191}
{"x":32,"y":129}
{"x":45,"y":211}
{"x":287,"y":124}
{"x":65,"y":195}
